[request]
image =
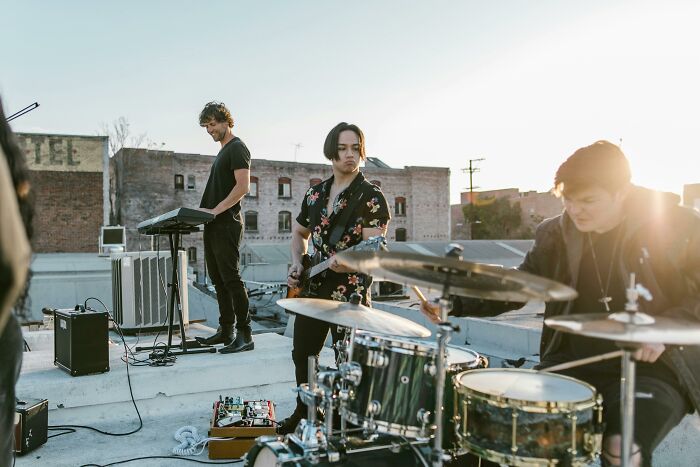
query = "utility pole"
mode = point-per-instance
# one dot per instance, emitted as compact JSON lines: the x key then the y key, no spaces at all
{"x":297,"y":146}
{"x":471,"y":169}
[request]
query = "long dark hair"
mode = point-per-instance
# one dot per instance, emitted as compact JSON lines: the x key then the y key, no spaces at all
{"x":25,"y":196}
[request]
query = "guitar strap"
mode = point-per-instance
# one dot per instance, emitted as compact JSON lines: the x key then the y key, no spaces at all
{"x":341,"y":222}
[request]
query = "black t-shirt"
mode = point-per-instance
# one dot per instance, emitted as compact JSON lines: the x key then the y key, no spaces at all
{"x":371,"y":212}
{"x":607,"y":248}
{"x":233,"y":156}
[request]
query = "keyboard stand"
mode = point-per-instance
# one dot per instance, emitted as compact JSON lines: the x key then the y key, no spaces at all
{"x":186,"y":347}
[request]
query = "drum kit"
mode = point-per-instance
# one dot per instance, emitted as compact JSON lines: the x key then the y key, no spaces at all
{"x":403,"y":401}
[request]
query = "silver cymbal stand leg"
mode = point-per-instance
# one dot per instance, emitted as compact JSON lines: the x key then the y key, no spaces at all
{"x":344,"y":389}
{"x":311,"y":404}
{"x":444,"y":333}
{"x":627,"y":385}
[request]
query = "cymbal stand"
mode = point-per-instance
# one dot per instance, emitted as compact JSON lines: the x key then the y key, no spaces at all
{"x":627,"y":382}
{"x":309,"y":435}
{"x":351,"y":373}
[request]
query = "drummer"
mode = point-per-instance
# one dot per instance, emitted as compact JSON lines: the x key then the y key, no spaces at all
{"x":336,"y":214}
{"x":608,"y":229}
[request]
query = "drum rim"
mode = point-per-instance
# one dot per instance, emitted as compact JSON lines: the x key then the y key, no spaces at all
{"x":519,"y":461}
{"x":504,"y":401}
{"x":425,"y":348}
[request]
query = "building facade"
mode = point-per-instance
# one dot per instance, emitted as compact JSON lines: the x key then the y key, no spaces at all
{"x":70,"y":182}
{"x":691,"y":195}
{"x":147,"y":183}
{"x":534,"y":207}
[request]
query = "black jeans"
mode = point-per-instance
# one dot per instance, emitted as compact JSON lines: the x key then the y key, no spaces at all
{"x":222,"y":238}
{"x":659,"y":406}
{"x":10,"y":363}
{"x":309,"y":336}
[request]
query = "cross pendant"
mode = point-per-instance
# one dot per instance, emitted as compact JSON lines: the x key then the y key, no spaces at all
{"x":605,"y":301}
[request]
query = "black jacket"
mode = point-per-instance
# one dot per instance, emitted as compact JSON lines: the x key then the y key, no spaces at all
{"x":660,"y":243}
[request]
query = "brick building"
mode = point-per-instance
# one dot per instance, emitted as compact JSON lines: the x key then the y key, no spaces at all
{"x":534,"y":207}
{"x":70,"y":183}
{"x":147,"y":183}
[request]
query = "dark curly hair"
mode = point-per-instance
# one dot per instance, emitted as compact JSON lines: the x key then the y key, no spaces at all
{"x":215,"y":111}
{"x":25,"y":196}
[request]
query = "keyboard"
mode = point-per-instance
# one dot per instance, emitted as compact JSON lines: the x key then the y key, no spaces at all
{"x":180,"y":220}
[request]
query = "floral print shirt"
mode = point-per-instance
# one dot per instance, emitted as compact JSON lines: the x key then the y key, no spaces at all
{"x":372,"y":212}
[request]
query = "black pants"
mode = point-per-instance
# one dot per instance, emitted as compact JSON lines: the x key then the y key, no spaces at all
{"x":222,"y":238}
{"x":309,"y":336}
{"x":659,"y":406}
{"x":10,"y":364}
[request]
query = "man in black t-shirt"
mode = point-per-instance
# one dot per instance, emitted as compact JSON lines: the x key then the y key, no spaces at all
{"x":609,"y":229}
{"x":229,"y":181}
{"x":336,"y":214}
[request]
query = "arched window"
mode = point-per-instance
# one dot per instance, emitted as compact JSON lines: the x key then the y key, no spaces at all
{"x":376,"y":183}
{"x":400,"y":206}
{"x":179,"y":182}
{"x":253,"y":191}
{"x":314,"y":181}
{"x":251,"y":221}
{"x":400,"y":234}
{"x":284,"y":187}
{"x":284,"y":222}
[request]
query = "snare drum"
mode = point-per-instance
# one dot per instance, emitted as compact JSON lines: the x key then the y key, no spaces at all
{"x":271,"y":451}
{"x":396,"y":393}
{"x":526,"y":418}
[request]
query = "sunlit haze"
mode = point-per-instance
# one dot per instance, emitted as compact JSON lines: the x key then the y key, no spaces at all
{"x":521,"y":84}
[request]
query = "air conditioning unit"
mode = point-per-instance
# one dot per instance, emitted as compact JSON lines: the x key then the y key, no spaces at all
{"x":140,"y":289}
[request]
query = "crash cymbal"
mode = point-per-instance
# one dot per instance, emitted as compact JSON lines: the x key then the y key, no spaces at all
{"x":658,"y":330}
{"x":354,"y":315}
{"x":465,"y":278}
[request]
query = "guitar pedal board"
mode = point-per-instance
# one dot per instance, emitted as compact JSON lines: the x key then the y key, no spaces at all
{"x":235,"y":412}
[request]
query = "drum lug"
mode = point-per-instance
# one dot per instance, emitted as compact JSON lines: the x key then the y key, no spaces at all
{"x":374,"y":407}
{"x":424,"y":417}
{"x":430,"y":369}
{"x":377,"y":359}
{"x":351,"y":372}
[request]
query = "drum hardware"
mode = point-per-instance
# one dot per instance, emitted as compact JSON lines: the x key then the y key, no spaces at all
{"x":629,"y":329}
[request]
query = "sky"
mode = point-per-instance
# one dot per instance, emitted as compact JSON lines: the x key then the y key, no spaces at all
{"x":521,"y":84}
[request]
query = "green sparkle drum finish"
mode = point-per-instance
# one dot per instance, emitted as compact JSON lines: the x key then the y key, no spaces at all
{"x":398,"y":384}
{"x":527,"y":418}
{"x":270,"y":451}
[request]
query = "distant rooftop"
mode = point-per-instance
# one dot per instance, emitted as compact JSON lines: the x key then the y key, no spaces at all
{"x":376,"y":162}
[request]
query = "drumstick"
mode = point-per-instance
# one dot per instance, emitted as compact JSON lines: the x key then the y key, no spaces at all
{"x":583,"y":361}
{"x":420,"y":295}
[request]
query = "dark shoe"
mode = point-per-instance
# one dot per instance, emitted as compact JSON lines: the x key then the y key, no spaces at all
{"x":242,"y":342}
{"x":289,"y":424}
{"x":224,"y":335}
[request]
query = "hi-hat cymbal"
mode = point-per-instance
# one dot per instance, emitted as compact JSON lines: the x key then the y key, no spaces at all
{"x":354,"y":315}
{"x":662,"y":330}
{"x":464,"y":278}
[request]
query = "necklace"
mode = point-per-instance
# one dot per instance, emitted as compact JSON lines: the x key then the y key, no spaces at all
{"x":605,"y":299}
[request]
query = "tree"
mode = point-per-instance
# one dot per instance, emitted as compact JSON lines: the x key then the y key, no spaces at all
{"x":119,"y":133}
{"x":498,"y":219}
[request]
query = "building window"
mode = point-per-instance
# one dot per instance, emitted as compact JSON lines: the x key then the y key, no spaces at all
{"x":284,"y":187}
{"x":400,"y":206}
{"x":284,"y":222}
{"x":251,"y":221}
{"x":253,"y":191}
{"x":192,"y":254}
{"x":401,"y":234}
{"x":190,"y":182}
{"x":179,"y":182}
{"x":376,"y":183}
{"x":314,"y":181}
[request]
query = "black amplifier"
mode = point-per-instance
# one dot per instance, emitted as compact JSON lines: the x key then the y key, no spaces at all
{"x":31,"y":424}
{"x":81,"y":344}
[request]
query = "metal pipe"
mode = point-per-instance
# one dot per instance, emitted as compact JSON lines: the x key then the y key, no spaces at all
{"x":627,"y":384}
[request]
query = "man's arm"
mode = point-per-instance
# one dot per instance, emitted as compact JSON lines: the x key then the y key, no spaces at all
{"x":300,"y":245}
{"x":242,"y":177}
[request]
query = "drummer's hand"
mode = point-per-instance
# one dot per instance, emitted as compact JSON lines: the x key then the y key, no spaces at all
{"x":337,"y":267}
{"x":293,"y":275}
{"x":431,"y":311}
{"x":649,"y":352}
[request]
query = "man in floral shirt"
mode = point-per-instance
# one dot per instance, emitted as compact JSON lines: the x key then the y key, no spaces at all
{"x":323,"y":207}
